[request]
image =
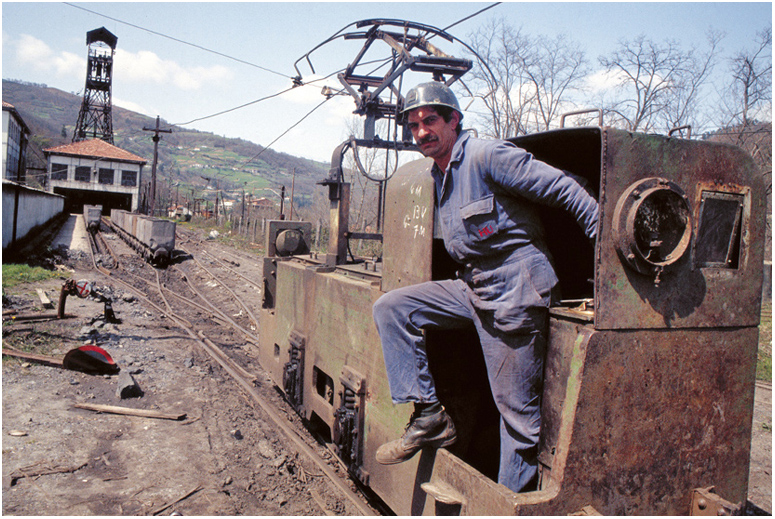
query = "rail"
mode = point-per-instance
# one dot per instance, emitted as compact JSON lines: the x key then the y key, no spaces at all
{"x":241,"y":376}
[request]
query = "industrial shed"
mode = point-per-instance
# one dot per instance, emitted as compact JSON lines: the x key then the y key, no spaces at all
{"x":95,"y":172}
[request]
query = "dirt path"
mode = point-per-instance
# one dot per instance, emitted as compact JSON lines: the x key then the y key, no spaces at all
{"x":760,"y":475}
{"x":225,"y":458}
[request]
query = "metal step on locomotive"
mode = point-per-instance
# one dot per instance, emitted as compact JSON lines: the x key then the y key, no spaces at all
{"x":650,"y":368}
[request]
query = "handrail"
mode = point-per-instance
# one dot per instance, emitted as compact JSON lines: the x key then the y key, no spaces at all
{"x":578,"y":112}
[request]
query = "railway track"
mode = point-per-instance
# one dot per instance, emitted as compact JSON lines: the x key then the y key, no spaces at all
{"x":223,"y":352}
{"x":195,"y":294}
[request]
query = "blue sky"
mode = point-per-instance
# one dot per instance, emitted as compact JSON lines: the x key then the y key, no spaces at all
{"x":45,"y":42}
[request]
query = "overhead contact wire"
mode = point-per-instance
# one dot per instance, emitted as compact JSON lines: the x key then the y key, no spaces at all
{"x":477,"y":13}
{"x":236,"y":107}
{"x":180,"y":41}
{"x":254,"y":157}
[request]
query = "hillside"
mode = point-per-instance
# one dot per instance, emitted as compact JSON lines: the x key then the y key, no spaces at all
{"x":185,"y":156}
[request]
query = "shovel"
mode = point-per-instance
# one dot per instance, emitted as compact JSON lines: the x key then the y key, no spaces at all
{"x":87,"y":358}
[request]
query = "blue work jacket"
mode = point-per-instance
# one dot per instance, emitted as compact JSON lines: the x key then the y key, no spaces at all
{"x":486,"y":202}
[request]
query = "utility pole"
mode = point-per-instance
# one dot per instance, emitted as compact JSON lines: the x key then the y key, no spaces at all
{"x":216,"y":201}
{"x":243,"y":202}
{"x":156,"y":138}
{"x":293,"y":187}
{"x":282,"y":203}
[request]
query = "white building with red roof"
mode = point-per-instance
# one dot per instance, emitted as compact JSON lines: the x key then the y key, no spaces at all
{"x":97,"y":173}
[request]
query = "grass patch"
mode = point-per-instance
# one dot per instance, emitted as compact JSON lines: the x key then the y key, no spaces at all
{"x":35,"y":340}
{"x":764,"y":368}
{"x":15,"y":274}
{"x":764,"y":362}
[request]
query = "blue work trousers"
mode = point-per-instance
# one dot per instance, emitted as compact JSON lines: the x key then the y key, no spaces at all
{"x":514,"y":361}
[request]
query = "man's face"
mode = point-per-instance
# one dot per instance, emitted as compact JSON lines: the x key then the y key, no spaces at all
{"x":433,"y":135}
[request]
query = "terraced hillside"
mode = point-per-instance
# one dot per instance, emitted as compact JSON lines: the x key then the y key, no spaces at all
{"x":186,"y":156}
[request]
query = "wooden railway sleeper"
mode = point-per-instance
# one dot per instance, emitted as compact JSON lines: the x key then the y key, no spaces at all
{"x":236,"y":298}
{"x":251,"y":338}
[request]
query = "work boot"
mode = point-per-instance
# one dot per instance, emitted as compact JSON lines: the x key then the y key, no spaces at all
{"x":435,"y":430}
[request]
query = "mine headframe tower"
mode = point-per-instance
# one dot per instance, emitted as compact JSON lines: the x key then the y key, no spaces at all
{"x":95,"y":120}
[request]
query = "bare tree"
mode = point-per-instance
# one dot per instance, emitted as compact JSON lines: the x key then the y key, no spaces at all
{"x":527,"y":80}
{"x":685,"y":105}
{"x":658,"y":83}
{"x":750,"y":89}
{"x":556,"y":67}
{"x":501,"y":86}
{"x":747,"y":103}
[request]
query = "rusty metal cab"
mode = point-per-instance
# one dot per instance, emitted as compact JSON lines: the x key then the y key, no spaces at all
{"x":650,"y":369}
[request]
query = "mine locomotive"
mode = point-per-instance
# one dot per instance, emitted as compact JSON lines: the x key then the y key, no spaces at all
{"x":650,"y":368}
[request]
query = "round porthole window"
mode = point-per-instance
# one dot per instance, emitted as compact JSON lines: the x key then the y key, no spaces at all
{"x":652,"y":225}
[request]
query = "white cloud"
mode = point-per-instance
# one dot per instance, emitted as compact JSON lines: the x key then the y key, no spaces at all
{"x":36,"y":54}
{"x":602,"y":81}
{"x":146,"y":66}
{"x":129,"y":105}
{"x":68,"y":64}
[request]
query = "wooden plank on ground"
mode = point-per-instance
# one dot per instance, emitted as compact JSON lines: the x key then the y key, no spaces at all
{"x":44,"y":300}
{"x":100,"y":408}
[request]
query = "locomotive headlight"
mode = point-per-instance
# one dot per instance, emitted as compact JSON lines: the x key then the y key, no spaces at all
{"x":652,"y":225}
{"x":288,"y":242}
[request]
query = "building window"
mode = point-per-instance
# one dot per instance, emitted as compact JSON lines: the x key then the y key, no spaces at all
{"x":13,"y":151}
{"x":83,"y":174}
{"x":58,"y":171}
{"x":129,"y":178}
{"x":106,"y":176}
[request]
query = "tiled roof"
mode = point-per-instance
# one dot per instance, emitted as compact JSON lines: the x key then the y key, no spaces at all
{"x":95,"y":148}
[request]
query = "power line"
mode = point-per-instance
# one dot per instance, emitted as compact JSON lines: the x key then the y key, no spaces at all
{"x":181,"y":41}
{"x":295,"y":85}
{"x":286,"y":131}
{"x":477,"y":13}
{"x":236,"y":107}
{"x":296,"y":80}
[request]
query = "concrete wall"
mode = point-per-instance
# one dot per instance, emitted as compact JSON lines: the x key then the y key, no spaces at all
{"x":35,"y":207}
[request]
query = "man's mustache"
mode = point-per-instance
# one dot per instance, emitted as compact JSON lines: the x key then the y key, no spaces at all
{"x":431,"y":138}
